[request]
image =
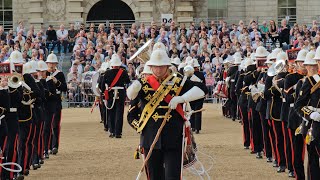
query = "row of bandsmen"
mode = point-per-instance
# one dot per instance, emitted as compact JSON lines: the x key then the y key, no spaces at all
{"x":30,"y":110}
{"x":278,"y":104}
{"x":113,"y":80}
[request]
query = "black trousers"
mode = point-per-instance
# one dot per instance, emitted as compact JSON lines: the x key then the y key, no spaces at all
{"x":245,"y":123}
{"x":196,"y":118}
{"x":313,"y":162}
{"x":103,"y":114}
{"x":54,"y":43}
{"x":37,"y":136}
{"x":233,"y":107}
{"x":266,"y":136}
{"x":279,"y":138}
{"x":273,"y":141}
{"x":56,"y":128}
{"x":24,"y":143}
{"x":164,"y":164}
{"x":115,"y":115}
{"x":298,"y":155}
{"x":3,"y":140}
{"x":48,"y":131}
{"x":12,"y":142}
{"x":256,"y":131}
{"x":287,"y":145}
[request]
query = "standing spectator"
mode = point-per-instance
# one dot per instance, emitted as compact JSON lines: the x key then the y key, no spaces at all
{"x":284,"y":33}
{"x":62,"y":35}
{"x":51,"y":37}
{"x":273,"y":31}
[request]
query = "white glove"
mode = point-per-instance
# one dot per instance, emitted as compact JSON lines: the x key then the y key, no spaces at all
{"x":194,"y":78}
{"x":315,"y":116}
{"x":133,"y":89}
{"x":175,"y":101}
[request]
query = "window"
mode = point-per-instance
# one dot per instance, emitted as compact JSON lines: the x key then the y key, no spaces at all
{"x":6,"y":17}
{"x":287,"y":8}
{"x":217,"y":8}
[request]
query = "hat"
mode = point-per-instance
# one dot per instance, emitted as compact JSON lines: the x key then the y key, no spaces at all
{"x":317,"y":56}
{"x":237,"y":60}
{"x":310,"y":59}
{"x":159,"y":45}
{"x":253,"y":56}
{"x":42,"y":66}
{"x":229,"y":59}
{"x":237,"y":54}
{"x":275,"y":52}
{"x":34,"y":66}
{"x":195,"y":63}
{"x":147,"y":69}
{"x":176,"y":61}
{"x":282,"y":56}
{"x":115,"y":60}
{"x":159,"y":57}
{"x":261,"y":52}
{"x":16,"y":57}
{"x":269,"y":59}
{"x":248,"y":62}
{"x":52,"y":58}
{"x":26,"y":68}
{"x":302,"y":55}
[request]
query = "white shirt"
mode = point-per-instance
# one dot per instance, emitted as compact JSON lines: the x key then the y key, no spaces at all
{"x":62,"y":34}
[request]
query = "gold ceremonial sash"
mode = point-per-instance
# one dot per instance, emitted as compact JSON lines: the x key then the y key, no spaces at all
{"x":151,"y":106}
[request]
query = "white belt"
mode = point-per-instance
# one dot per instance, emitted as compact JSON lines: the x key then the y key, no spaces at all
{"x":58,"y":92}
{"x":232,"y":80}
{"x":291,"y":104}
{"x":283,"y":100}
{"x":13,"y":109}
{"x":117,"y":87}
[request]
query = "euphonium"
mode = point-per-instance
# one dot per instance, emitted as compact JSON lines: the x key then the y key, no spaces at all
{"x":14,"y":80}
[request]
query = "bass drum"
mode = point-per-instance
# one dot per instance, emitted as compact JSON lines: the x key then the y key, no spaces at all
{"x":89,"y":81}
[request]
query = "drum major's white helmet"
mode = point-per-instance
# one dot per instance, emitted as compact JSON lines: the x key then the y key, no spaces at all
{"x":310,"y":59}
{"x":159,"y":57}
{"x":42,"y":66}
{"x":302,"y":55}
{"x":115,"y":60}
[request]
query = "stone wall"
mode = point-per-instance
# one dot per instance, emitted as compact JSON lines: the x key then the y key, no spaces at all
{"x":308,"y":10}
{"x":261,"y":10}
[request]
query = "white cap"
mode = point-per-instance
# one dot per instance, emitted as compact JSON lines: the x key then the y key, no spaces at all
{"x":269,"y":59}
{"x":42,"y":66}
{"x":302,"y":55}
{"x":237,"y":54}
{"x":115,"y":60}
{"x":34,"y":66}
{"x":16,"y":57}
{"x":26,"y":68}
{"x":189,"y":60}
{"x":52,"y":58}
{"x":310,"y":59}
{"x":317,"y":56}
{"x":176,"y":61}
{"x":261,"y":52}
{"x":275,"y":52}
{"x":282,"y":56}
{"x":237,"y":60}
{"x":159,"y":57}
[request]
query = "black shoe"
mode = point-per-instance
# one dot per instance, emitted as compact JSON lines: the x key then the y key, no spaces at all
{"x":118,"y":136}
{"x":275,"y":163}
{"x":233,"y":119}
{"x":246,"y":147}
{"x":111,"y":135}
{"x":50,"y":152}
{"x":197,"y":131}
{"x":26,"y":172}
{"x":55,"y":151}
{"x":253,"y":152}
{"x":46,"y":155}
{"x":192,"y":129}
{"x":291,"y":174}
{"x":259,"y":155}
{"x":269,"y":159}
{"x":35,"y":166}
{"x":20,"y":176}
{"x":41,"y":161}
{"x":281,"y":169}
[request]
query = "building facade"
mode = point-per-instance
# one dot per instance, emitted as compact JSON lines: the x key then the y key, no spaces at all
{"x":55,"y":12}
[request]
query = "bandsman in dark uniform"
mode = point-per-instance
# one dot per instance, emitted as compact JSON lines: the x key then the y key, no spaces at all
{"x":102,"y":106}
{"x":115,"y":80}
{"x":26,"y":116}
{"x":55,"y":107}
{"x":290,"y":84}
{"x":307,"y":106}
{"x":155,"y":93}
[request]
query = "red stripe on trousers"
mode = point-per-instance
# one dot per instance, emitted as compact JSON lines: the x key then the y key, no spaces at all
{"x":3,"y":147}
{"x":50,"y":136}
{"x":59,"y":128}
{"x":32,"y":143}
{"x":276,"y":138}
{"x":39,"y":141}
{"x":292,"y":151}
{"x":284,"y":141}
{"x":26,"y":150}
{"x":251,"y":136}
{"x":14,"y":159}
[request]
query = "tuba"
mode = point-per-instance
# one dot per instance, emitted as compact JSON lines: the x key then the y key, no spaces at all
{"x":142,"y":55}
